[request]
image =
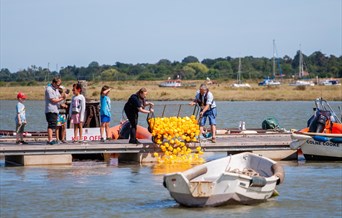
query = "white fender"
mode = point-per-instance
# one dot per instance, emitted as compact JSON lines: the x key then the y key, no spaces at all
{"x":295,"y":144}
{"x":295,"y":136}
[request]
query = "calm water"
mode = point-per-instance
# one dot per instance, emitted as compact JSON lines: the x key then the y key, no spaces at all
{"x":89,"y":189}
{"x":93,"y":189}
{"x":291,"y":114}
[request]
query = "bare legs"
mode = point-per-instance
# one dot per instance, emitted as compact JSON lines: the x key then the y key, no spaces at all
{"x":78,"y":128}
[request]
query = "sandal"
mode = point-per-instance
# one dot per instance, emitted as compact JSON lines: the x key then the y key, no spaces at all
{"x":213,"y":140}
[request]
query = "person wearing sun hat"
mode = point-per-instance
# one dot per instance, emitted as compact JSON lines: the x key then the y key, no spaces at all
{"x":20,"y":118}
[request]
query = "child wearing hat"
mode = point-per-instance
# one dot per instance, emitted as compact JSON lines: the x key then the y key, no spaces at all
{"x":20,"y":119}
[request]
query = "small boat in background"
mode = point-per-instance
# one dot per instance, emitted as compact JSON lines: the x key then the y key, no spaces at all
{"x":330,"y":82}
{"x":302,"y":83}
{"x":171,"y":83}
{"x":302,"y":73}
{"x":269,"y":82}
{"x":322,"y":139}
{"x":244,"y":178}
{"x":238,"y":83}
{"x":273,"y":82}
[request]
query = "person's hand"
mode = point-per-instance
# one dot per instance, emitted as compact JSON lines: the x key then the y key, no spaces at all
{"x":151,"y":104}
{"x":151,"y":110}
{"x":192,"y":103}
{"x":201,"y":114}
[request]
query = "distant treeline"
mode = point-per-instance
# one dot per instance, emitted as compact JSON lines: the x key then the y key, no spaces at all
{"x":190,"y":68}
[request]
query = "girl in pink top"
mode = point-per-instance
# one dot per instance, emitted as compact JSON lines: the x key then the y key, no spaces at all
{"x":77,"y":112}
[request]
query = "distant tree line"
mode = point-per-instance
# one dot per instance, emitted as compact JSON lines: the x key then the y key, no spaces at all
{"x":190,"y":68}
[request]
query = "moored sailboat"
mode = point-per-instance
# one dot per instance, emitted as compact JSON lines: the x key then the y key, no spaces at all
{"x":239,"y":83}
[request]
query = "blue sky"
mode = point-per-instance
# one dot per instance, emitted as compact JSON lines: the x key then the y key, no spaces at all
{"x":58,"y":33}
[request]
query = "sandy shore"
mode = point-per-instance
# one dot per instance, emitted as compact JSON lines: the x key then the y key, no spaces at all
{"x":222,"y":91}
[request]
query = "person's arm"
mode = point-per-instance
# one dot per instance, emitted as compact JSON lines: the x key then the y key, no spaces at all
{"x":194,"y":102}
{"x":204,"y":110}
{"x":70,"y":108}
{"x":18,"y":115}
{"x":149,"y":104}
{"x":140,"y":109}
{"x":106,"y":91}
{"x":108,"y":103}
{"x":83,"y":106}
{"x":55,"y":98}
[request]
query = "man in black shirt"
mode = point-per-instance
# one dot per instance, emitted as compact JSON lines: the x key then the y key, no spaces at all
{"x":135,"y":104}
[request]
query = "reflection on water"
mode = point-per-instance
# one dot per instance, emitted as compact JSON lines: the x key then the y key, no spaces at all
{"x":161,"y":169}
{"x":89,"y":189}
{"x":94,"y":189}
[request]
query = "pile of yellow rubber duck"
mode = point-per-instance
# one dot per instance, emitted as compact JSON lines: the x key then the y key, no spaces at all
{"x":173,"y":134}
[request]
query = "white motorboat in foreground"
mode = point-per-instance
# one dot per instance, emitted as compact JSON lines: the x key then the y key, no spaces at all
{"x":244,"y":178}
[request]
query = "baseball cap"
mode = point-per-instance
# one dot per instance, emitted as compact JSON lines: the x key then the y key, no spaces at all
{"x":21,"y":95}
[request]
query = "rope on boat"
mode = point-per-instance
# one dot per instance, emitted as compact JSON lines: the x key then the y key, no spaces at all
{"x":246,"y":171}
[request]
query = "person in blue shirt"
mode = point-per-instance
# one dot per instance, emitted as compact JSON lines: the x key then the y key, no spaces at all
{"x":20,"y":118}
{"x":105,"y":112}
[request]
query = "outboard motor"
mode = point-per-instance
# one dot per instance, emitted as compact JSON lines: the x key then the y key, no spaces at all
{"x":124,"y":130}
{"x":317,"y":122}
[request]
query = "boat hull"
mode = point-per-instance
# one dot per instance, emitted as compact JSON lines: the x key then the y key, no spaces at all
{"x":240,"y":195}
{"x":317,"y":149}
{"x":221,"y":182}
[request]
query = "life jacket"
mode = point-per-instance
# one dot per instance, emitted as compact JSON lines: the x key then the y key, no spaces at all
{"x":204,"y":98}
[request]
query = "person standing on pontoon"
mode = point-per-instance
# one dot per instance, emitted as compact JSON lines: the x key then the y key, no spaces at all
{"x":135,"y":104}
{"x":52,"y":99}
{"x":105,"y":114}
{"x":205,"y":100}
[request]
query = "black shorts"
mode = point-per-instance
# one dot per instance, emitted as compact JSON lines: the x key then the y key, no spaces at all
{"x":51,"y":118}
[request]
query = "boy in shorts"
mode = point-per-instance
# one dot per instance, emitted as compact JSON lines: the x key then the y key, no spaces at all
{"x":20,"y":119}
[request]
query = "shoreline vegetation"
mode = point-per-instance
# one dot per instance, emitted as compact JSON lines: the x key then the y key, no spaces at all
{"x":222,"y":91}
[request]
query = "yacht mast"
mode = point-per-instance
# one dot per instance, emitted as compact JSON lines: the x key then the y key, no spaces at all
{"x":300,"y":75}
{"x":274,"y":58}
{"x":239,"y":72}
